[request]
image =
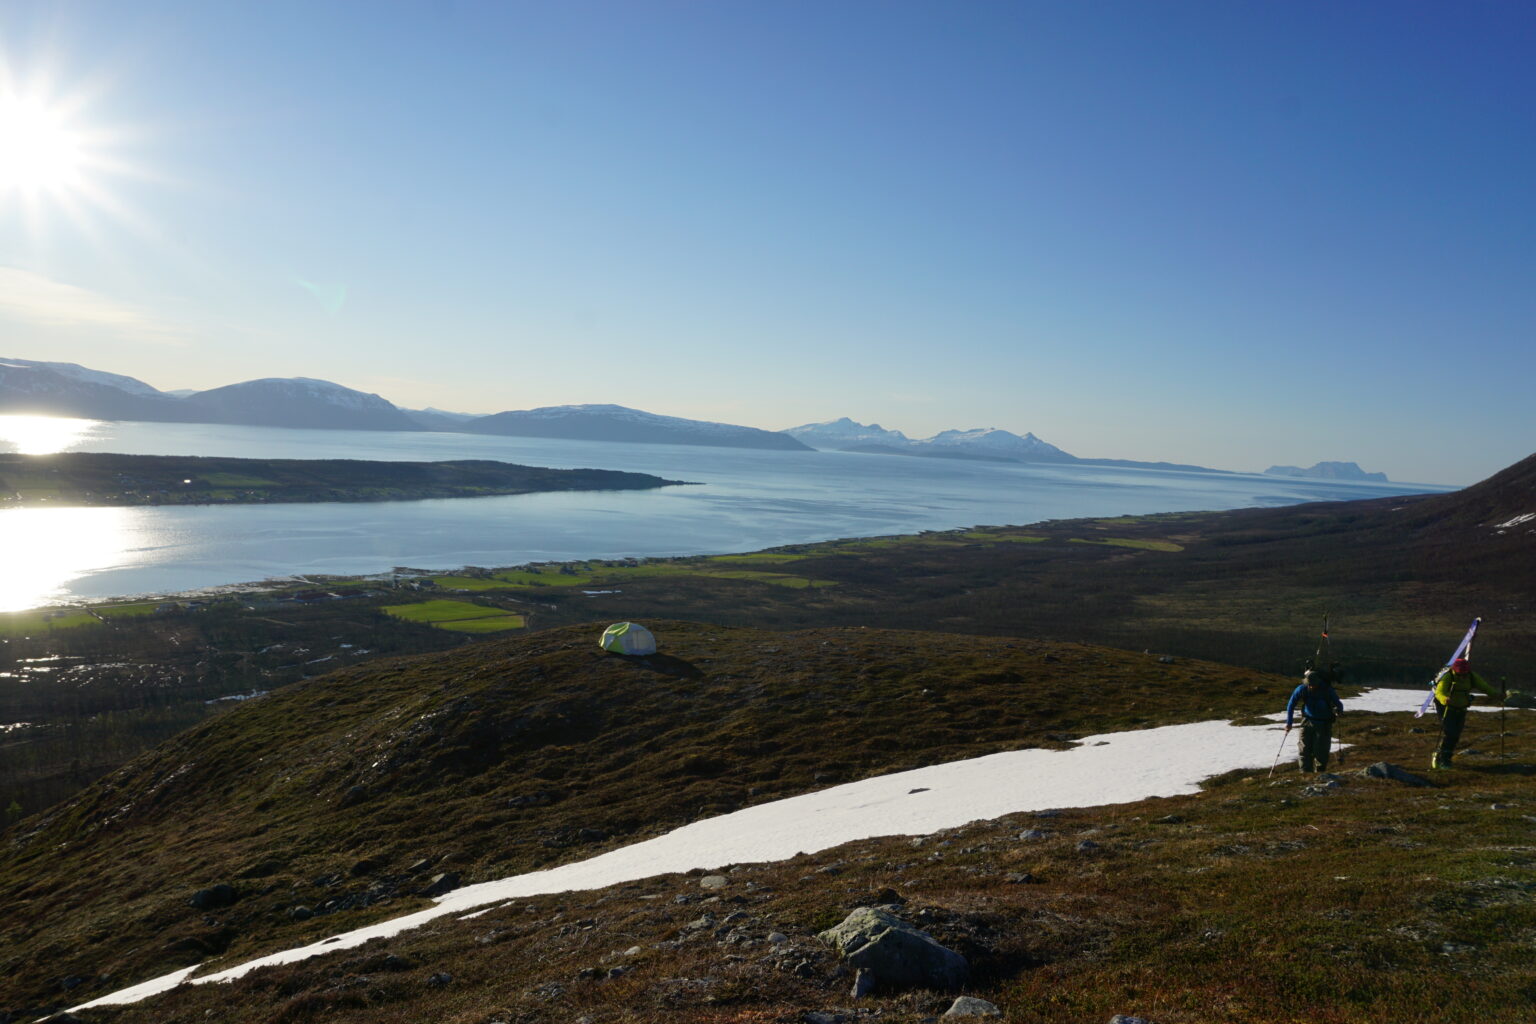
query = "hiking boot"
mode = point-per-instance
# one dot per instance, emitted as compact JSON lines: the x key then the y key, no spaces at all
{"x":1439,"y":760}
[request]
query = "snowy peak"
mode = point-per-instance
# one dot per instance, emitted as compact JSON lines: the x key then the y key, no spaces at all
{"x":83,"y":375}
{"x":993,"y":441}
{"x":621,"y":423}
{"x":842,"y":432}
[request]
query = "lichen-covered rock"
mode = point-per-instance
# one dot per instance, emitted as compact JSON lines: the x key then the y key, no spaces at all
{"x":896,"y":954}
{"x":970,"y":1006}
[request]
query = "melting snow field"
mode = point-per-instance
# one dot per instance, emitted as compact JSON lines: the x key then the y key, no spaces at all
{"x":1109,"y":769}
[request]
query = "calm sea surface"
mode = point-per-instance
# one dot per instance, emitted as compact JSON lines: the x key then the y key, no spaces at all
{"x":745,"y":500}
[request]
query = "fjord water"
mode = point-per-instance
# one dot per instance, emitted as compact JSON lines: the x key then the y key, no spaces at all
{"x":740,"y":500}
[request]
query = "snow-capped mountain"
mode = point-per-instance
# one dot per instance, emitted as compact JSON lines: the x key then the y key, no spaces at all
{"x":620,"y":423}
{"x":1328,"y":471}
{"x":85,"y":375}
{"x":66,"y":389}
{"x":299,"y":402}
{"x":1001,"y":443}
{"x":843,"y":432}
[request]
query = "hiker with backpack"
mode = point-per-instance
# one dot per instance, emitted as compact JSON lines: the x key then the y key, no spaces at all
{"x":1320,"y":705}
{"x":1453,"y":695}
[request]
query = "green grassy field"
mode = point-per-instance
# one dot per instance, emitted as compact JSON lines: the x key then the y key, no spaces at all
{"x":1130,"y":542}
{"x":457,"y":616}
{"x":43,"y":619}
{"x":714,"y":567}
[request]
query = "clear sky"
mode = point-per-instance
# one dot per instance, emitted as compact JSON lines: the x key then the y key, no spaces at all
{"x":1212,"y":231}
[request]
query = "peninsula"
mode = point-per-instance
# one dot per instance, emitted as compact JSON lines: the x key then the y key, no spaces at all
{"x":101,"y":478}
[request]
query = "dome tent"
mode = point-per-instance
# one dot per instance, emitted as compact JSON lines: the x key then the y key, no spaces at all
{"x":628,"y":638}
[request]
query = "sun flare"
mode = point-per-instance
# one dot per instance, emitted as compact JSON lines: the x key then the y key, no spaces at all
{"x":39,"y":150}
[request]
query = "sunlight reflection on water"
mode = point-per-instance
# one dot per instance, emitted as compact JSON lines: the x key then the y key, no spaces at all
{"x":43,"y":549}
{"x":44,"y":435}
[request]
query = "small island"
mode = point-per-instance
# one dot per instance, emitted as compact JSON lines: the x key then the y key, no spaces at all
{"x":101,"y":478}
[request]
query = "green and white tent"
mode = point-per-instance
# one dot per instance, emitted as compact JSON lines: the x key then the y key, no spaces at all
{"x":628,"y":638}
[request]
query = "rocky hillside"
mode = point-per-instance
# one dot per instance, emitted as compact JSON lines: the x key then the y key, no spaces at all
{"x":356,"y":796}
{"x":334,"y":802}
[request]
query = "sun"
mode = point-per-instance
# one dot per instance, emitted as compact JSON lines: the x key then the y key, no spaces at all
{"x":39,"y":150}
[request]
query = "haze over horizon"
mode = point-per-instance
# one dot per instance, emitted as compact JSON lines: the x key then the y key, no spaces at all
{"x":1231,"y":235}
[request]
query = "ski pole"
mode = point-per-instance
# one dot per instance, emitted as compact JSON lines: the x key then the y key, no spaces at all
{"x":1339,"y":737}
{"x":1503,"y":696}
{"x":1277,"y":752}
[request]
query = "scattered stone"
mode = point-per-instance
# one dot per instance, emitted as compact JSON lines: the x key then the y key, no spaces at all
{"x":777,"y":938}
{"x":1049,"y":813}
{"x":1033,"y":833}
{"x":1166,"y":659}
{"x":1089,"y":846}
{"x":863,"y":983}
{"x":818,"y":1017}
{"x":1168,"y":819}
{"x":896,"y":954}
{"x":618,"y":971}
{"x":73,"y":982}
{"x":300,"y":913}
{"x":970,"y":1006}
{"x":353,"y":796}
{"x":1387,"y":770}
{"x":1121,"y":1018}
{"x":212,"y":898}
{"x":1500,"y":807}
{"x":714,"y":882}
{"x":439,"y":980}
{"x":1020,"y":878}
{"x":419,"y":866}
{"x":438,"y":885}
{"x":889,"y":895}
{"x":1516,"y":699}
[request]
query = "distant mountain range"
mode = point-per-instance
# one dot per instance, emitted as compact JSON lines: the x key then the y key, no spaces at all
{"x":1328,"y":471}
{"x":67,"y":389}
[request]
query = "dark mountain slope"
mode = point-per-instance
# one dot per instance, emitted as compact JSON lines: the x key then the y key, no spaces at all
{"x":512,"y":755}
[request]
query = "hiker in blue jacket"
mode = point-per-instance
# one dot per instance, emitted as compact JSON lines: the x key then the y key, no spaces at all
{"x":1320,"y":705}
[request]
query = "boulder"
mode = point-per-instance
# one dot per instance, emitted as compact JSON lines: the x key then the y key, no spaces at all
{"x":896,"y":955}
{"x":1386,"y":770}
{"x":970,"y":1006}
{"x":439,"y":885}
{"x":1516,"y":699}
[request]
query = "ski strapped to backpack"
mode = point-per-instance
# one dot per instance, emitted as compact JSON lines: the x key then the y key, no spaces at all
{"x":1463,"y":650}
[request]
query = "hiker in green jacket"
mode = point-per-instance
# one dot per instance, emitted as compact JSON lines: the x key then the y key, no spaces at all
{"x":1453,"y":695}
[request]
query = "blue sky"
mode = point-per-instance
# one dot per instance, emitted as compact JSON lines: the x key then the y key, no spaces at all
{"x":1221,"y":232}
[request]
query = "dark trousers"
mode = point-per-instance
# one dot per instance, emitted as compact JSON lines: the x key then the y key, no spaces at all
{"x":1452,"y":721}
{"x":1312,"y":748}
